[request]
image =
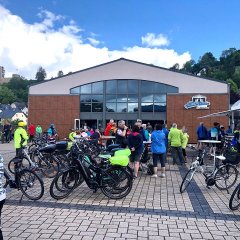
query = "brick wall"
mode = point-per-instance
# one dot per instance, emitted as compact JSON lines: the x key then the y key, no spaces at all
{"x":189,"y":117}
{"x":60,"y":110}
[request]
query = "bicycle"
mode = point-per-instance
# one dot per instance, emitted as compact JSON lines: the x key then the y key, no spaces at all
{"x":234,"y":202}
{"x":114,"y":181}
{"x":25,"y":180}
{"x":223,"y":177}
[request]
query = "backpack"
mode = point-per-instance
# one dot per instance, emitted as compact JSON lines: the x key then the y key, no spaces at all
{"x":214,"y":132}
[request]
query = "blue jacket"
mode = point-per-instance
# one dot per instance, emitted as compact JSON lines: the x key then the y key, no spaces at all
{"x":158,"y":141}
{"x":202,"y":132}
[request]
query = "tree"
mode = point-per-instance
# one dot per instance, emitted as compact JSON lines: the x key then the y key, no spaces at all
{"x":60,"y":73}
{"x":233,"y":85}
{"x":175,"y":67}
{"x":236,"y":76}
{"x":41,"y":74}
{"x":188,"y":66}
{"x":6,"y":95}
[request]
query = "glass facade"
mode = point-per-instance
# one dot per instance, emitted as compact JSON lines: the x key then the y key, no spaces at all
{"x":123,"y":96}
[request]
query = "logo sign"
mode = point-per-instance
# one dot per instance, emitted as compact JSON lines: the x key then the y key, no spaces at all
{"x":198,"y":102}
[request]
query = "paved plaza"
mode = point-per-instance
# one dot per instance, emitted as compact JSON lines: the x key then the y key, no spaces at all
{"x":154,"y":209}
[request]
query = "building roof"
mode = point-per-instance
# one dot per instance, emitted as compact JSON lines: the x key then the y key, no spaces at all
{"x":7,"y":112}
{"x":127,"y":69}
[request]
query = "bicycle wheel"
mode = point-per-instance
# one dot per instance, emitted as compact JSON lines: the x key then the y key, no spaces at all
{"x":187,"y":179}
{"x":24,"y":164}
{"x":49,"y":167}
{"x":30,"y":184}
{"x":64,"y":183}
{"x":226,"y":176}
{"x":234,"y":202}
{"x":116,"y":182}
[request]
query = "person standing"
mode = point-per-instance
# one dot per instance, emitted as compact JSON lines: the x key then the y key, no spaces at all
{"x":175,"y":138}
{"x":108,"y":130}
{"x":31,"y":132}
{"x":202,"y":134}
{"x":20,"y":138}
{"x":158,"y":148}
{"x":149,"y":127}
{"x":52,"y":131}
{"x":7,"y":131}
{"x":184,"y":143}
{"x":39,"y":131}
{"x":135,"y":144}
{"x":2,"y":191}
{"x":121,"y":134}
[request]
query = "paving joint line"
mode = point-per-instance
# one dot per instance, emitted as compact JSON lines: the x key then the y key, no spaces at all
{"x":130,"y":210}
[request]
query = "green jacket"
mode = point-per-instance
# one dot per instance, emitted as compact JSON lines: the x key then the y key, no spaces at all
{"x":71,"y":136}
{"x":185,"y":140}
{"x":20,"y":137}
{"x":38,"y":129}
{"x":175,"y":137}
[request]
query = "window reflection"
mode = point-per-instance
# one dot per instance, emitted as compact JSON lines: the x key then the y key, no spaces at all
{"x":122,"y":86}
{"x":85,"y":98}
{"x":97,"y":107}
{"x":122,"y":98}
{"x":110,"y":98}
{"x":147,"y":97}
{"x":132,"y":98}
{"x":132,"y":86}
{"x":111,"y":86}
{"x":75,"y":90}
{"x":121,"y":107}
{"x":132,"y":107}
{"x":160,"y":98}
{"x":86,"y":88}
{"x":85,"y":107}
{"x":147,"y":87}
{"x":111,"y":107}
{"x":159,"y":107}
{"x":97,"y":87}
{"x":147,"y":107}
{"x":160,"y":88}
{"x":97,"y":98}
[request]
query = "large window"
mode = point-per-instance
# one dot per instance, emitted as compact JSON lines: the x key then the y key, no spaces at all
{"x":123,"y":96}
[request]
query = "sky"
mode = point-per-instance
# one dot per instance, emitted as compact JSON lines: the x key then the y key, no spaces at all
{"x":70,"y":35}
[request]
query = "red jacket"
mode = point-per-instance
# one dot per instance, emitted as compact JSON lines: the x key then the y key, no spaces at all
{"x":107,"y":129}
{"x":31,"y":129}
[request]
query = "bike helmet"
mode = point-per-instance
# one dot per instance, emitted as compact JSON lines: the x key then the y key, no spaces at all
{"x":21,"y":124}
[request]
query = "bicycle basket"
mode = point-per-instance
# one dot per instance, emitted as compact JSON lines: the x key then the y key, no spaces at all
{"x":232,"y":158}
{"x":119,"y":160}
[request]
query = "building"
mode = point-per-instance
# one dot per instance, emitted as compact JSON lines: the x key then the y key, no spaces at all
{"x":125,"y":89}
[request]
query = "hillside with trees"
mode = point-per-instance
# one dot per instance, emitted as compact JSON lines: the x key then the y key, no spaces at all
{"x":226,"y":68}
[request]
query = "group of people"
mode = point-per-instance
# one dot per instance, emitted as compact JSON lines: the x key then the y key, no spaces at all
{"x":160,"y":139}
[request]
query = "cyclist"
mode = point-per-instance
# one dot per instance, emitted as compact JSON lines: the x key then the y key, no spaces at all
{"x":20,"y":138}
{"x":72,"y":135}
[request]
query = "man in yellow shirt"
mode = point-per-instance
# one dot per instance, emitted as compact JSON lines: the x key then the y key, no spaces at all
{"x":175,"y":138}
{"x":20,"y":138}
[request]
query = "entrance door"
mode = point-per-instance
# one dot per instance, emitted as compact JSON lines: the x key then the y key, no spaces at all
{"x":76,"y":123}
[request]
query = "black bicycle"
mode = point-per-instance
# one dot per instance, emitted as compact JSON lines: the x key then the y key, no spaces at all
{"x":26,"y":180}
{"x":234,"y":202}
{"x":115,"y":182}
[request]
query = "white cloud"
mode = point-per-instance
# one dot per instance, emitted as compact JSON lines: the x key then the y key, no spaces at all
{"x":26,"y":46}
{"x":152,"y":40}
